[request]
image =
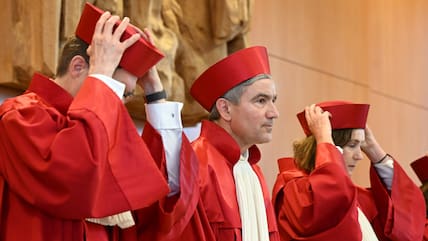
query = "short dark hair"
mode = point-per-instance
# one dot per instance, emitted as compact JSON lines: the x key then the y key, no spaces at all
{"x":72,"y":47}
{"x":341,"y":136}
{"x":234,"y":94}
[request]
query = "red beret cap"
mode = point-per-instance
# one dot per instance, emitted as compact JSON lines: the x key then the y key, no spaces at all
{"x":344,"y":115}
{"x":420,"y":167}
{"x":137,"y":59}
{"x":228,"y":73}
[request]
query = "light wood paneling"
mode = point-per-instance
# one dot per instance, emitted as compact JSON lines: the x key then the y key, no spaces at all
{"x":398,"y":50}
{"x":363,"y":51}
{"x":328,"y":36}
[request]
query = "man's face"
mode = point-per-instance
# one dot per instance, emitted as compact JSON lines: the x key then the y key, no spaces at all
{"x":352,"y":150}
{"x":252,"y":118}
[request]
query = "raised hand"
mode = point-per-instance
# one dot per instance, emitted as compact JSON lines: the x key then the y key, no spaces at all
{"x":150,"y":82}
{"x":106,"y":49}
{"x":371,"y":147}
{"x":319,"y":123}
{"x":128,"y":79}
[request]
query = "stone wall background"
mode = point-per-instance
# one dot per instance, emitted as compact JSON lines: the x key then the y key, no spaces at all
{"x":193,"y":34}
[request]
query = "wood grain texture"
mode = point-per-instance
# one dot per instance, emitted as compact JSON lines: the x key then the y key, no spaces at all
{"x":363,"y":51}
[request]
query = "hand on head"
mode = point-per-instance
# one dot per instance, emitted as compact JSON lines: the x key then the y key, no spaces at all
{"x":371,"y":147}
{"x":150,"y":82}
{"x":106,"y":49}
{"x":369,"y":140}
{"x":319,"y":123}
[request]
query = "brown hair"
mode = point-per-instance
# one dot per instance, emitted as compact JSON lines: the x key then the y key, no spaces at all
{"x":73,"y":46}
{"x":305,"y":149}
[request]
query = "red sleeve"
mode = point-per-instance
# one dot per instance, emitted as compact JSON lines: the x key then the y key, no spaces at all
{"x":401,"y":212}
{"x":319,"y":206}
{"x":89,"y":163}
{"x":2,"y":189}
{"x":172,"y":214}
{"x":426,"y":231}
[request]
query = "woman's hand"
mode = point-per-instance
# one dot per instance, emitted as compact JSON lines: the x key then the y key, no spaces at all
{"x":371,"y":147}
{"x":319,"y":123}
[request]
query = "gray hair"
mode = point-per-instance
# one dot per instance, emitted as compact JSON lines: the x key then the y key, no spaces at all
{"x":234,"y":94}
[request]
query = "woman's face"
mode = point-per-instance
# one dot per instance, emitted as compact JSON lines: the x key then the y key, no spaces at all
{"x":352,"y":150}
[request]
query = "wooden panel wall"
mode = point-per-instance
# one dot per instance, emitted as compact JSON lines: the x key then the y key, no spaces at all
{"x":364,"y":51}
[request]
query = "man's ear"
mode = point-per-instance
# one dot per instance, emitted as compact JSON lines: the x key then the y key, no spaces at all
{"x":78,"y":66}
{"x":223,"y":107}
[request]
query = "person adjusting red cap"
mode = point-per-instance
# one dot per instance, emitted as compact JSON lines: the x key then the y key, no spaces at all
{"x":228,"y":73}
{"x":420,"y":167}
{"x":344,"y":115}
{"x":137,"y":59}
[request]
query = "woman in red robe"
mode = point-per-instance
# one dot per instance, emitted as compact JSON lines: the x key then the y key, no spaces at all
{"x":314,"y":197}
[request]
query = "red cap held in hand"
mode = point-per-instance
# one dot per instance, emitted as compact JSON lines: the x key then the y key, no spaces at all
{"x":137,"y":59}
{"x":344,"y":115}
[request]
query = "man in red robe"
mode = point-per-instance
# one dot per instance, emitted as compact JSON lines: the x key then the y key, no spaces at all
{"x":68,"y":148}
{"x":314,"y":197}
{"x":223,"y":194}
{"x":420,"y":166}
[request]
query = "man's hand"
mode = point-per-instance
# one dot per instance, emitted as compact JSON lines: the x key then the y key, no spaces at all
{"x":128,"y":79}
{"x":106,"y":49}
{"x":150,"y":82}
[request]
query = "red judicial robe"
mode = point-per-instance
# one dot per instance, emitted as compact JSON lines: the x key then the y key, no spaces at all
{"x":426,"y":231}
{"x":323,"y":205}
{"x":218,"y":152}
{"x":206,"y":209}
{"x":63,"y":160}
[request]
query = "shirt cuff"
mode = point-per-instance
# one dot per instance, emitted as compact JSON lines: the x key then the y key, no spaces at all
{"x":385,"y":169}
{"x":164,"y":115}
{"x":117,"y":87}
{"x":387,"y":163}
